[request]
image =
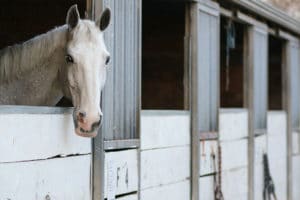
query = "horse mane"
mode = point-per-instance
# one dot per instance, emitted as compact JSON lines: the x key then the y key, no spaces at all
{"x":17,"y":59}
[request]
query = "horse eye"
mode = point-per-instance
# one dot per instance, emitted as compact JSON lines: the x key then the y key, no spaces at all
{"x":107,"y":60}
{"x":69,"y":59}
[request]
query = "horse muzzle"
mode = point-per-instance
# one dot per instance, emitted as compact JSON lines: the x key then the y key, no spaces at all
{"x":86,"y":127}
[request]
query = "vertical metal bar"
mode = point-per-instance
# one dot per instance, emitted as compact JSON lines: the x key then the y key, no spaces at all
{"x":250,"y":65}
{"x":257,"y":94}
{"x":137,"y":92}
{"x":187,"y":59}
{"x":97,"y":178}
{"x":195,"y":137}
{"x":289,"y":108}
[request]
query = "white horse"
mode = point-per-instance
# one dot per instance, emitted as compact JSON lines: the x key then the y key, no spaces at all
{"x":67,"y":61}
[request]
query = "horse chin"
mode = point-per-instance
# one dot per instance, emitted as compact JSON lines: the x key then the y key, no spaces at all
{"x":86,"y":134}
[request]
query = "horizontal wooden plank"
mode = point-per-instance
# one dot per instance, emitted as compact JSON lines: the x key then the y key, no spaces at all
{"x":234,"y":154}
{"x":296,"y":177}
{"x":164,"y":166}
{"x":207,"y":149}
{"x":39,"y":136}
{"x":60,"y":178}
{"x":235,"y":184}
{"x":277,"y":146}
{"x":121,"y":172}
{"x":16,"y":109}
{"x":161,"y":129}
{"x":121,"y":144}
{"x":277,"y":122}
{"x":128,"y":197}
{"x":233,"y":124}
{"x":206,"y":188}
{"x":174,"y":191}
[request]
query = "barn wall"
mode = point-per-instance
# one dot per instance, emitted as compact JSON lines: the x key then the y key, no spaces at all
{"x":165,"y":155}
{"x":121,"y":173}
{"x":277,"y":151}
{"x":233,"y":130}
{"x":41,"y":155}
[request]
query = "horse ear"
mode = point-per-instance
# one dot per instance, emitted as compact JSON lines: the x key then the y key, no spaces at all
{"x":104,"y":20}
{"x":73,"y":16}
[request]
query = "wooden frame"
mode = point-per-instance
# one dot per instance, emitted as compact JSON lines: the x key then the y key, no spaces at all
{"x":101,"y":143}
{"x":256,"y":84}
{"x":291,"y":72}
{"x":270,"y":12}
{"x":199,"y":72}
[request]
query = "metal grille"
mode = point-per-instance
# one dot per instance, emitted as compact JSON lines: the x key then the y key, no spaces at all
{"x":121,"y":94}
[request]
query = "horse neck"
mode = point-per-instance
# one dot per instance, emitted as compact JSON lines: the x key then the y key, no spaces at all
{"x":37,"y":52}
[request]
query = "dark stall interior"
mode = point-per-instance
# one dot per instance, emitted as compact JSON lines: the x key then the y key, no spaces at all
{"x":163,"y":30}
{"x":275,"y":80}
{"x":21,"y":20}
{"x":232,"y":64}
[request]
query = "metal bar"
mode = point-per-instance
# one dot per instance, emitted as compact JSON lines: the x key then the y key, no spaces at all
{"x":226,"y":13}
{"x":289,"y":108}
{"x":287,"y":36}
{"x":121,"y":144}
{"x":97,"y":169}
{"x":34,"y":110}
{"x":137,"y":131}
{"x":195,"y":154}
{"x":250,"y":94}
{"x":89,"y":9}
{"x":271,"y":13}
{"x":250,"y":20}
{"x":208,"y":136}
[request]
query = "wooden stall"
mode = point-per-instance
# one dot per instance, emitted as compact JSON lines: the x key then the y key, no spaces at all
{"x":197,"y":92}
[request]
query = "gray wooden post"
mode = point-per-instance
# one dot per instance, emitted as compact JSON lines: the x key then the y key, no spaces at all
{"x":205,"y":34}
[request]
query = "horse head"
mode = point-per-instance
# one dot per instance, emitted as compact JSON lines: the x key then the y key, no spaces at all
{"x":86,"y":60}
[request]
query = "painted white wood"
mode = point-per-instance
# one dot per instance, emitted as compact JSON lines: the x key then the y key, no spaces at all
{"x":129,"y":197}
{"x":207,"y":149}
{"x":235,"y":184}
{"x":174,"y":191}
{"x":164,"y":166}
{"x":39,"y":136}
{"x":61,"y":178}
{"x":206,"y":188}
{"x":277,"y":151}
{"x":277,"y":122}
{"x":259,"y":150}
{"x":164,"y":129}
{"x":296,"y":177}
{"x":234,"y":154}
{"x":124,"y":166}
{"x":233,"y":124}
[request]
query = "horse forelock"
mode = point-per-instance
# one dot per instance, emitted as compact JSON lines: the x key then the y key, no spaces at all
{"x":87,"y":32}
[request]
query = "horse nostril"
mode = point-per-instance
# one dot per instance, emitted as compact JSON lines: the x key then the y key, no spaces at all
{"x":82,"y":114}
